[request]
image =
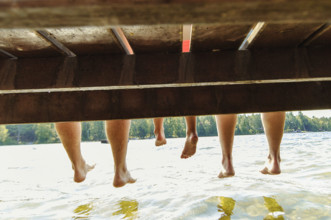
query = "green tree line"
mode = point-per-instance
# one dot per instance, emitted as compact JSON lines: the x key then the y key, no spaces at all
{"x":144,"y":128}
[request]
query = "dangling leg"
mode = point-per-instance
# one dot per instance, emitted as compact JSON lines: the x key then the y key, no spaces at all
{"x":70,"y":135}
{"x":226,"y":125}
{"x":191,"y":137}
{"x":118,"y":135}
{"x":273,"y":123}
{"x":159,"y":132}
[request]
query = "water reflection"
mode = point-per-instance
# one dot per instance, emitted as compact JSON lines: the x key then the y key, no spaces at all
{"x":83,"y":211}
{"x":225,"y":206}
{"x":275,"y":210}
{"x":128,"y":208}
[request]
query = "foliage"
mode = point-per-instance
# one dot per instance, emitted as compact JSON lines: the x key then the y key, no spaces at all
{"x":251,"y":124}
{"x":144,"y":128}
{"x":3,"y":133}
{"x":45,"y":133}
{"x":93,"y":131}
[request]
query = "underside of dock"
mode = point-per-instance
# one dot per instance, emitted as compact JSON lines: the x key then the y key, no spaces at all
{"x":86,"y":60}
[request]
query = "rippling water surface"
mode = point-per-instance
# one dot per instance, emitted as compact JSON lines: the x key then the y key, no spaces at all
{"x":36,"y":182}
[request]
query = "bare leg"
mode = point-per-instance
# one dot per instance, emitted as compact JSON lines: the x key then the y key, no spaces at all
{"x":159,"y":132}
{"x":191,"y":137}
{"x":226,"y":125}
{"x":273,"y":123}
{"x":70,"y":135}
{"x":118,"y":136}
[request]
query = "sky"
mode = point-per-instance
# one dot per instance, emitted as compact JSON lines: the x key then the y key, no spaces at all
{"x":316,"y":113}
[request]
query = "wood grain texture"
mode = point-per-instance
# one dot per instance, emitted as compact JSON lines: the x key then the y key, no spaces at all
{"x":25,"y":43}
{"x":154,"y":38}
{"x":283,"y":35}
{"x":67,"y":13}
{"x":169,"y":70}
{"x":87,"y":40}
{"x":322,"y":39}
{"x":211,"y":37}
{"x":162,"y":102}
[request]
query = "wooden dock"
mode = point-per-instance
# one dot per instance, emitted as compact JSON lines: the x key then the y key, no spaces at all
{"x":85,"y":60}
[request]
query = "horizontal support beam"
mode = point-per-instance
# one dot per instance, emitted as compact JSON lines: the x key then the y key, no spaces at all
{"x":68,"y":13}
{"x":157,"y":102}
{"x":116,"y":72}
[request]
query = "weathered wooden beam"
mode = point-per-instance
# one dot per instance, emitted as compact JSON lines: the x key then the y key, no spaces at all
{"x":68,"y":13}
{"x":58,"y":45}
{"x":157,"y":102}
{"x":25,"y":43}
{"x":284,"y":35}
{"x":321,"y":37}
{"x":164,"y":70}
{"x":6,"y":54}
{"x":87,"y":40}
{"x":211,"y":37}
{"x":154,"y":38}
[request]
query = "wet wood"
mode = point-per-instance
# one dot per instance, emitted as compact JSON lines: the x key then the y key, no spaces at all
{"x":218,"y":37}
{"x":157,"y":102}
{"x":283,"y":35}
{"x":172,"y":70}
{"x":68,"y":13}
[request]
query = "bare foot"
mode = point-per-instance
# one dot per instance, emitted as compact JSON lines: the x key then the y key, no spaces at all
{"x":272,"y":166}
{"x":227,"y":169}
{"x":81,"y":171}
{"x":122,"y":177}
{"x":190,"y":146}
{"x":160,"y":140}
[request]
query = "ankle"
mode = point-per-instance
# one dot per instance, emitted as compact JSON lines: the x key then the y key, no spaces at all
{"x":191,"y":134}
{"x":226,"y":159}
{"x":79,"y":164}
{"x":158,"y":132}
{"x":274,"y":157}
{"x":121,"y":169}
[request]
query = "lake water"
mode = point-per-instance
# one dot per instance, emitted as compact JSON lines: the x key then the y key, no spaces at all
{"x":36,"y":181}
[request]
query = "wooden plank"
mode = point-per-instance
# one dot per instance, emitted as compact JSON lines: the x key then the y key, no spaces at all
{"x":5,"y":54}
{"x":7,"y":73}
{"x":316,"y":63}
{"x":315,"y":35}
{"x":323,"y":39}
{"x":87,"y":40}
{"x":154,"y":38}
{"x":58,"y":45}
{"x":161,"y":102}
{"x":211,"y":37}
{"x":68,"y":13}
{"x":283,"y":35}
{"x":167,"y":70}
{"x":25,"y":43}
